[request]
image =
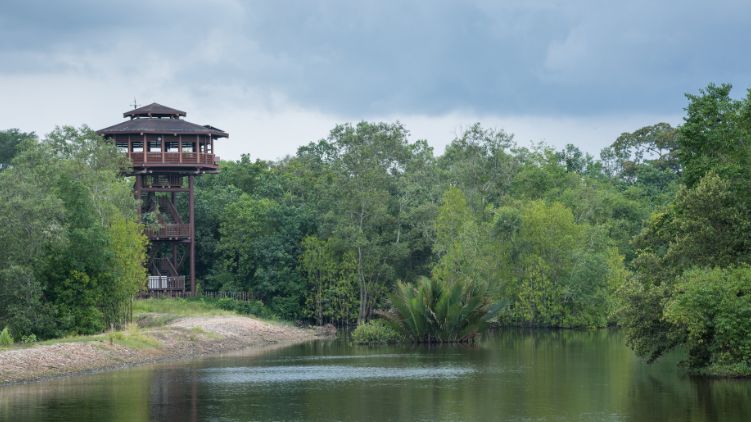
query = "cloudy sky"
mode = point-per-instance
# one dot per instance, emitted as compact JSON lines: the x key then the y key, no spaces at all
{"x":279,"y":74}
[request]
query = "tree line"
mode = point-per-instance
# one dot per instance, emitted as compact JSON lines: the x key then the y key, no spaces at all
{"x":324,"y":235}
{"x":652,"y":235}
{"x":72,"y":248}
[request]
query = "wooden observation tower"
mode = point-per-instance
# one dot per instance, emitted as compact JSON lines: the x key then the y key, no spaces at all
{"x":167,"y":153}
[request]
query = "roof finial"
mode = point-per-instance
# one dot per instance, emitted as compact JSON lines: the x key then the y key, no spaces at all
{"x":135,"y":106}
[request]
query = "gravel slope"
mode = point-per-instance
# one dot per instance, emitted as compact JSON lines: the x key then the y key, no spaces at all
{"x":183,"y":338}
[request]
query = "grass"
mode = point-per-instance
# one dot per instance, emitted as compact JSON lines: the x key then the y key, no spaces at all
{"x":177,"y":307}
{"x":131,"y":337}
{"x":198,"y":331}
{"x":152,"y":313}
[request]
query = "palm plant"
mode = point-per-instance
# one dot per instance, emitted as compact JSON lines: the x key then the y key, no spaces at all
{"x":440,"y":311}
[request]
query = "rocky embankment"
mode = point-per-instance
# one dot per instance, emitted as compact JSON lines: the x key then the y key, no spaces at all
{"x":184,"y":338}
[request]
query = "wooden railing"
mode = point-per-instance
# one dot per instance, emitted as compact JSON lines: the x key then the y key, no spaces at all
{"x":158,"y":293}
{"x":163,"y":181}
{"x":163,"y":282}
{"x":173,"y":158}
{"x":168,"y":231}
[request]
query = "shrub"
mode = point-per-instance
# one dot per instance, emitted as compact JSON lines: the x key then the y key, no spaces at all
{"x":5,"y":338}
{"x":375,"y":332}
{"x":255,"y":307}
{"x":31,"y":338}
{"x":712,"y":309}
{"x":441,"y":311}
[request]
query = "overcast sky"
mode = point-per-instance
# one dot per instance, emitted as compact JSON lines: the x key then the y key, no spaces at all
{"x":279,"y":74}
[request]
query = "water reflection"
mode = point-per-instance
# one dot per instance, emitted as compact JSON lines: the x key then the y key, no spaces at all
{"x":337,"y":373}
{"x":511,"y":375}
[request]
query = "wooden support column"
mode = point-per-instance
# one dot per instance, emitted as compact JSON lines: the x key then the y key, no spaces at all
{"x":163,"y":148}
{"x":174,"y":262}
{"x":180,"y":148}
{"x":137,"y":194}
{"x":145,"y":148}
{"x":191,"y":207}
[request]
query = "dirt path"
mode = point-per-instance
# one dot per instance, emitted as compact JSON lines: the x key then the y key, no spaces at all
{"x":184,"y":338}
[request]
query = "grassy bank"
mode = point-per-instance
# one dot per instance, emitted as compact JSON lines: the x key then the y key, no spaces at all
{"x":202,"y":306}
{"x":163,"y":329}
{"x":153,"y":313}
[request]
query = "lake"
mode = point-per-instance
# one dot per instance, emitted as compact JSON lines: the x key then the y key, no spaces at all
{"x":511,"y":375}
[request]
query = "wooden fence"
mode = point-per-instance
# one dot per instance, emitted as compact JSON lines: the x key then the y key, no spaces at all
{"x":244,"y":296}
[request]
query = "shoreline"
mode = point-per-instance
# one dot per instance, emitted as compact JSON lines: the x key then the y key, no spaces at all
{"x":181,"y":340}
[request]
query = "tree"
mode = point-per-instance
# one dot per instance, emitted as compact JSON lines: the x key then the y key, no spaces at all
{"x":477,"y":162}
{"x":715,"y":135}
{"x":367,"y":161}
{"x":704,"y":227}
{"x":464,"y":248}
{"x":559,"y":273}
{"x":711,"y":310}
{"x":258,"y":252}
{"x":82,"y":255}
{"x":11,"y":141}
{"x":331,"y":282}
{"x":689,"y":250}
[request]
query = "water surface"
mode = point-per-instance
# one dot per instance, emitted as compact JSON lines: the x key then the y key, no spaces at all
{"x":509,"y":376}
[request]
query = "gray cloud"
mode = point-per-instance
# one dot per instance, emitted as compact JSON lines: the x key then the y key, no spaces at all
{"x":353,"y":58}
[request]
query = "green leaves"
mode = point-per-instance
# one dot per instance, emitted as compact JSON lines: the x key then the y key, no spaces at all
{"x":690,"y":280}
{"x":715,"y":136}
{"x":711,"y":309}
{"x":557,"y":272}
{"x":440,"y":311}
{"x":74,"y":251}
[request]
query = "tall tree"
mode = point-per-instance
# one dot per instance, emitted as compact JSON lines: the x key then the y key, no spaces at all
{"x":368,"y":160}
{"x":706,"y":227}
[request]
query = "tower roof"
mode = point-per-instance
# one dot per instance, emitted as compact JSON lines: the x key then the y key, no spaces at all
{"x":162,"y":126}
{"x":150,"y":119}
{"x":154,"y":110}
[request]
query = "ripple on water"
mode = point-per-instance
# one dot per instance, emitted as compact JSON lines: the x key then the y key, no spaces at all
{"x":286,"y":374}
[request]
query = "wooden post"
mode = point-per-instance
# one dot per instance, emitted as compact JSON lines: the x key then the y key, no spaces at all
{"x":137,"y":189}
{"x":191,"y":207}
{"x":163,"y":148}
{"x":174,"y":262}
{"x":180,"y":148}
{"x":145,"y":148}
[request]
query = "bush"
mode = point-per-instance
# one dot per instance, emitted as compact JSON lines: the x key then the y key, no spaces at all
{"x":256,"y":307}
{"x":712,"y":310}
{"x":375,"y":332}
{"x":31,"y":338}
{"x":5,"y":338}
{"x":441,"y":311}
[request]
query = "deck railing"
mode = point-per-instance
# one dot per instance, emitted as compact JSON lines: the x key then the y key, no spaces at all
{"x":168,"y":231}
{"x":159,"y":293}
{"x":172,"y":158}
{"x":163,"y":181}
{"x":163,"y":282}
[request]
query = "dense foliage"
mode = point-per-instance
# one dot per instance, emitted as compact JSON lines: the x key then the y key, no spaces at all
{"x":72,"y":249}
{"x":326,"y":234}
{"x":435,"y":310}
{"x":690,"y":284}
{"x":367,"y":221}
{"x":375,"y":331}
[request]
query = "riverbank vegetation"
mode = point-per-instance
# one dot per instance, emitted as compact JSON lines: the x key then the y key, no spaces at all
{"x":73,"y":251}
{"x":368,"y":222}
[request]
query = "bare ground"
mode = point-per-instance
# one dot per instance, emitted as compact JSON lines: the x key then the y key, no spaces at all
{"x":183,"y":338}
